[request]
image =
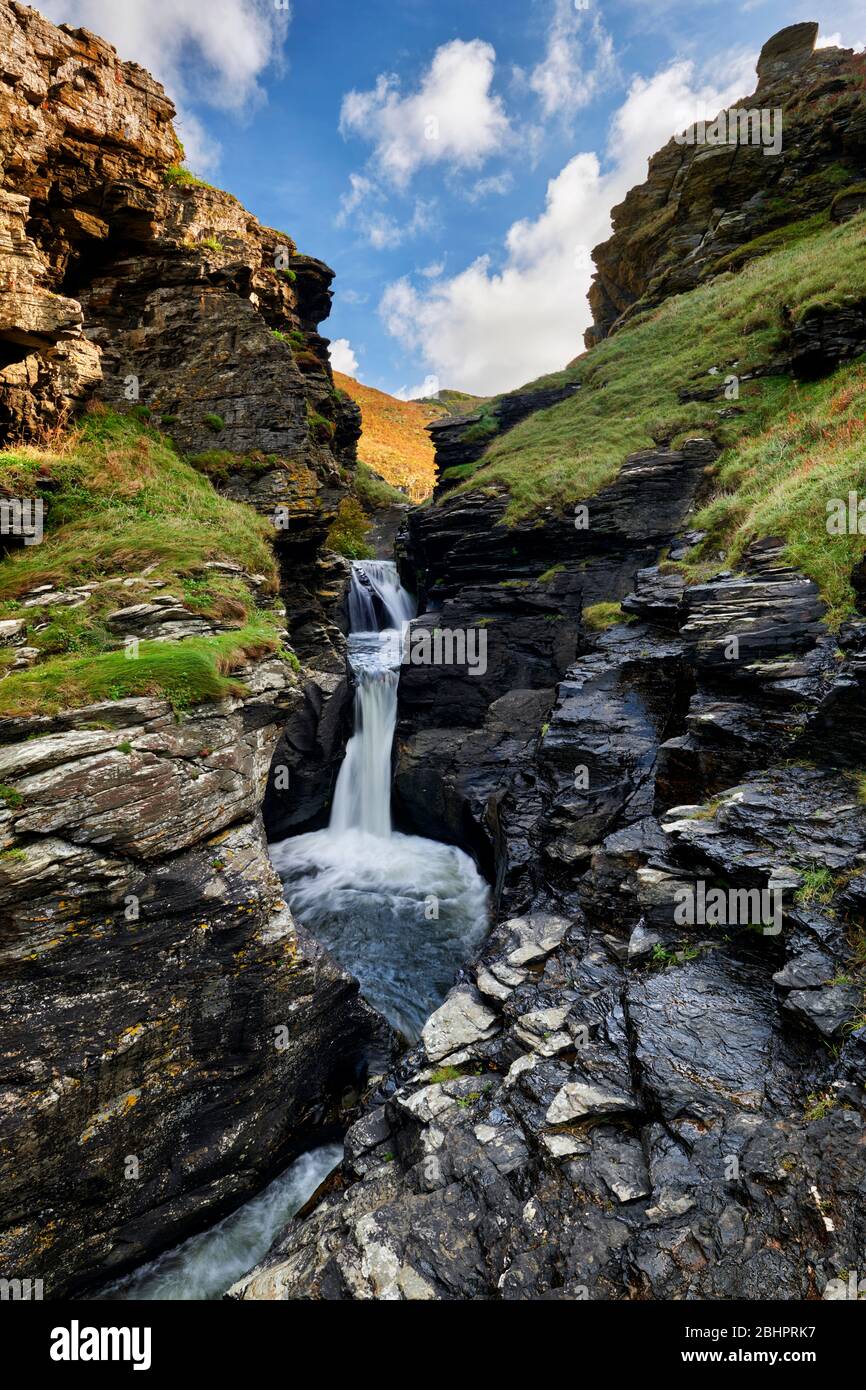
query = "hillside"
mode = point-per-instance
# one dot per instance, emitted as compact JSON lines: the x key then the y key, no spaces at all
{"x":394,"y":441}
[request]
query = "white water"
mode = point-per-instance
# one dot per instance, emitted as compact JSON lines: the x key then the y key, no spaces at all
{"x":399,"y":911}
{"x":207,"y":1265}
{"x":368,"y":893}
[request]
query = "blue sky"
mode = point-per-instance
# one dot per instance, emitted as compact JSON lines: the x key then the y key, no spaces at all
{"x":453,"y":160}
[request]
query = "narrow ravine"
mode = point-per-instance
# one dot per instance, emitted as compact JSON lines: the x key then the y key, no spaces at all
{"x":399,"y":911}
{"x":206,"y":1265}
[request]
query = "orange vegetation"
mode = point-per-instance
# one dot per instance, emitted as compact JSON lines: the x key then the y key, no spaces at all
{"x":394,"y":441}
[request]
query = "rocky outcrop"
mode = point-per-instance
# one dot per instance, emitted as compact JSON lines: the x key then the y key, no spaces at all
{"x":616,"y":1102}
{"x":675,"y":230}
{"x":630,"y":1094}
{"x":460,"y":441}
{"x":170,"y":1037}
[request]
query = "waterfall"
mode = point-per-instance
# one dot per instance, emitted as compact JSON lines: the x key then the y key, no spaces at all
{"x":378,"y":607}
{"x":377,"y":599}
{"x":400,"y":912}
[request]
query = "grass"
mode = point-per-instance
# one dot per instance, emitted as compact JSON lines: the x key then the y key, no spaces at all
{"x":779,"y":481}
{"x":630,"y":383}
{"x":818,"y":885}
{"x":184,"y":673}
{"x":122,"y":501}
{"x":374,"y":493}
{"x":120,"y":498}
{"x":601,"y":616}
{"x":176,"y":175}
{"x":394,"y":441}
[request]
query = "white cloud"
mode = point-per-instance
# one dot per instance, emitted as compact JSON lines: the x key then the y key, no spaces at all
{"x":562,"y":80}
{"x":488,"y":329}
{"x":362,"y":210}
{"x":497,"y":184}
{"x":212,"y":52}
{"x":343,"y":357}
{"x":354,"y":297}
{"x":424,"y":390}
{"x":452,"y":116}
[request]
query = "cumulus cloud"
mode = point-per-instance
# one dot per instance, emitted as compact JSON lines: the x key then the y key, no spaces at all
{"x":424,"y":390}
{"x":488,"y":329}
{"x":343,"y":357}
{"x":214,"y":52}
{"x":452,"y":116}
{"x":563,"y":81}
{"x":363,"y":210}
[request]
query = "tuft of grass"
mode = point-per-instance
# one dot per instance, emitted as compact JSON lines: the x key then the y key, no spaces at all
{"x":177,"y":175}
{"x":818,"y":885}
{"x":601,"y":616}
{"x":445,"y":1074}
{"x":215,"y":423}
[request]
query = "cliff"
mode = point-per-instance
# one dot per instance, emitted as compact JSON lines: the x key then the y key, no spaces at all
{"x":170,"y":1037}
{"x":619,"y":1100}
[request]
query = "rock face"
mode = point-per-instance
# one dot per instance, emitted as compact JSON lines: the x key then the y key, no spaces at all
{"x":674,"y":231}
{"x":170,"y":1038}
{"x":649,"y":1084}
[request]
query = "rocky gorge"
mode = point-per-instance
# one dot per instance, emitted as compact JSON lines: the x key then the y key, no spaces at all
{"x":613,"y":1101}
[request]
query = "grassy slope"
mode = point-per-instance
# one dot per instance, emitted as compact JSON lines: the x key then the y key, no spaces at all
{"x":121,"y":501}
{"x":394,"y":442}
{"x":630,"y":400}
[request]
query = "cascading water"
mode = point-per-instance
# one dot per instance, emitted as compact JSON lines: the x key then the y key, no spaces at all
{"x":207,"y":1265}
{"x":399,"y":911}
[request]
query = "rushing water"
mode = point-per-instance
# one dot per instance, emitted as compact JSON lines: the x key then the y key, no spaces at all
{"x":400,"y":912}
{"x":207,"y":1265}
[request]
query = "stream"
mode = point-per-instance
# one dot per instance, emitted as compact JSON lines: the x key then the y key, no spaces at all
{"x":400,"y":912}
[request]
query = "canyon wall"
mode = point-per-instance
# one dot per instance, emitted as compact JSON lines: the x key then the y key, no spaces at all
{"x":170,"y":1037}
{"x":617,"y":1101}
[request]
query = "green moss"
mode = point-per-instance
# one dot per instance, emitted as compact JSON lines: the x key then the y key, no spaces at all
{"x":289,"y":275}
{"x":321,"y":429}
{"x":445,"y":1074}
{"x":550,"y":574}
{"x":10,"y":797}
{"x":215,"y":423}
